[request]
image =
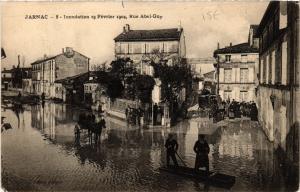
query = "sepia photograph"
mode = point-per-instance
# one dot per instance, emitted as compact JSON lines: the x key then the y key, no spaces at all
{"x":150,"y":96}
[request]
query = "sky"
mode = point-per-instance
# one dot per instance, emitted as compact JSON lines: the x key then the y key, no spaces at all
{"x":204,"y":23}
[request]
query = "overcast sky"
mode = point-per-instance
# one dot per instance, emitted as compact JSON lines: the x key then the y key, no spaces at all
{"x":204,"y":23}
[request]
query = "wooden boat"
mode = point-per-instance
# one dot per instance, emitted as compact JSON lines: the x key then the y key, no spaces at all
{"x":214,"y":179}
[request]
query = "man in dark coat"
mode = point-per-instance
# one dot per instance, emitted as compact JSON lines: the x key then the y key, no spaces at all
{"x":172,"y":146}
{"x":99,"y":127}
{"x":201,"y":149}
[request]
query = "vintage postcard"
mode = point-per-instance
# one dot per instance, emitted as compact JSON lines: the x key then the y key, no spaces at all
{"x":150,"y":96}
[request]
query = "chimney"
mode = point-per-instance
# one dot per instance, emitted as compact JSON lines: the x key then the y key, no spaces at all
{"x":63,"y":50}
{"x":18,"y":60}
{"x":218,"y":46}
{"x":45,"y":56}
{"x":179,"y":28}
{"x":69,"y":50}
{"x":127,"y":28}
{"x":230,"y":44}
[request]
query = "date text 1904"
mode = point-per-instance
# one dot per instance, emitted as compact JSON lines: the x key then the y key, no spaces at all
{"x":36,"y":16}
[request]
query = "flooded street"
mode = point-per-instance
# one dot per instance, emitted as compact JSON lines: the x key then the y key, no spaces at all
{"x":39,"y":153}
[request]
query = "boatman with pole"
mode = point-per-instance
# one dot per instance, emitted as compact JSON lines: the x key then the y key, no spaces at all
{"x":172,"y":146}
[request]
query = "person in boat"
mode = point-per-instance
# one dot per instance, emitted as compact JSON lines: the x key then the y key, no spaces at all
{"x":201,"y":149}
{"x":172,"y":146}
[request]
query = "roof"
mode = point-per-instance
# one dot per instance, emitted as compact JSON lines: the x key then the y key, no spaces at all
{"x":7,"y":71}
{"x":204,"y":60}
{"x":44,"y":59}
{"x":53,"y":57}
{"x":208,"y":74}
{"x":73,"y":78}
{"x":267,"y":15}
{"x":239,"y":48}
{"x":150,"y":35}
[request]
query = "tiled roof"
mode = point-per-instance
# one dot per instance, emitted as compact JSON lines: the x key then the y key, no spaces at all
{"x":52,"y":57}
{"x":44,"y":59}
{"x":73,"y":78}
{"x":150,"y":35}
{"x":239,"y":48}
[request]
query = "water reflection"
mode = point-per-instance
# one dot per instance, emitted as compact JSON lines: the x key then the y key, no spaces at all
{"x":128,"y":157}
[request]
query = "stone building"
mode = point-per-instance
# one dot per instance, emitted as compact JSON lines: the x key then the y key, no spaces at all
{"x":278,"y":93}
{"x":237,"y":69}
{"x":142,"y":45}
{"x":49,"y":69}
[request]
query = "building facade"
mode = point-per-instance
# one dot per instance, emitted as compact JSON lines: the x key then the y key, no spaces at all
{"x":201,"y":68}
{"x":141,"y":46}
{"x":279,"y":76}
{"x":6,"y":79}
{"x":49,"y":69}
{"x":236,"y":70}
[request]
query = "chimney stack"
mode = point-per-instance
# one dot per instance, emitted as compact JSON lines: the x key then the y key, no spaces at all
{"x":63,"y":50}
{"x":218,"y":46}
{"x":45,"y":56}
{"x":126,"y":28}
{"x":19,"y":60}
{"x":230,"y":44}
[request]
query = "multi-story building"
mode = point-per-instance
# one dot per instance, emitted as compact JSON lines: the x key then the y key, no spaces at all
{"x":278,"y":93}
{"x":49,"y":69}
{"x":142,"y":45}
{"x":236,"y":69}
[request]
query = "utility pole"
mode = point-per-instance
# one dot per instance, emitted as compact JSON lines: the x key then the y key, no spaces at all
{"x":218,"y":77}
{"x":218,"y":70}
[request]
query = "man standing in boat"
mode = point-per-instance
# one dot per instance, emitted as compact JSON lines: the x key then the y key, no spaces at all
{"x":172,"y":146}
{"x":201,"y":149}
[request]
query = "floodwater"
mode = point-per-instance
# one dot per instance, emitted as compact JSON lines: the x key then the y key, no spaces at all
{"x":39,"y":153}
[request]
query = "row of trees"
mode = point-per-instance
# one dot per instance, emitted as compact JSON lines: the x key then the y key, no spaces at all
{"x":123,"y":80}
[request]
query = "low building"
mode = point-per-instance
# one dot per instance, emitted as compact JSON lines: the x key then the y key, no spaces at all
{"x":50,"y":69}
{"x":278,"y":92}
{"x":6,"y":79}
{"x":236,"y":69}
{"x":71,"y":89}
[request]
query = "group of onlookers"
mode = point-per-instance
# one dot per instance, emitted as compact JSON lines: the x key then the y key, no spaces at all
{"x":219,"y":109}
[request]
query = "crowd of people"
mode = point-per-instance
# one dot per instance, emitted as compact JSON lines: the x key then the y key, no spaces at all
{"x":220,"y":109}
{"x":133,"y":115}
